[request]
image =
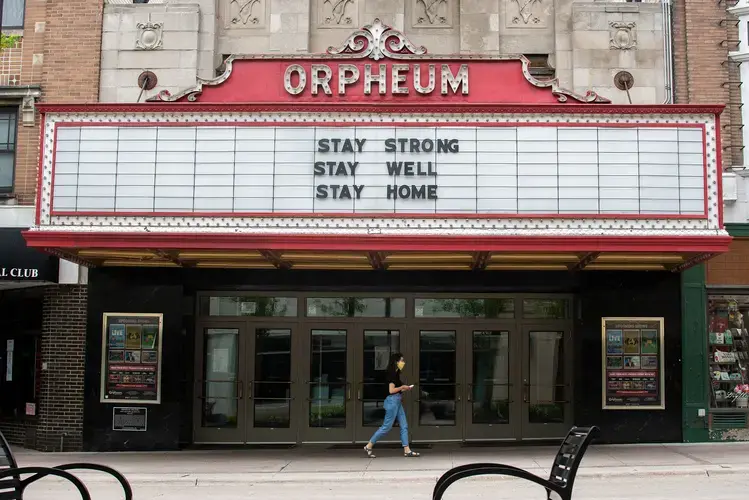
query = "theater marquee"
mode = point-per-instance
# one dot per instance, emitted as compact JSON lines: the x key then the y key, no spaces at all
{"x":468,"y":168}
{"x":373,"y":148}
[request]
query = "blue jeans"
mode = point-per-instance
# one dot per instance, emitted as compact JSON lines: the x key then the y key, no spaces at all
{"x":393,"y":409}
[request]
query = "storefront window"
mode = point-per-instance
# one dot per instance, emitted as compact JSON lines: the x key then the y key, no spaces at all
{"x":545,"y":308}
{"x":355,"y":307}
{"x":465,"y":308}
{"x":728,"y":350}
{"x":248,"y":306}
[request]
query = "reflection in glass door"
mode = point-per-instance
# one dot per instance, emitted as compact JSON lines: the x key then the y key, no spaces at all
{"x":378,"y":346}
{"x":437,"y":392}
{"x":547,"y":391}
{"x":272,"y":388}
{"x":491,"y":405}
{"x":329,"y":404}
{"x":219,"y":413}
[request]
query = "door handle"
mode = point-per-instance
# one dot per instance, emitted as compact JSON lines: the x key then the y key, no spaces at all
{"x":358,"y":394}
{"x":239,"y":390}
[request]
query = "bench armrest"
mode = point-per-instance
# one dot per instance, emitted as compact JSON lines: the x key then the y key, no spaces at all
{"x":95,"y":467}
{"x":480,"y":469}
{"x":40,"y":472}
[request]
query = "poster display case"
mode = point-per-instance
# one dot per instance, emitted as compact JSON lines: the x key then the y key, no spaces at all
{"x":131,"y":358}
{"x":633,"y":358}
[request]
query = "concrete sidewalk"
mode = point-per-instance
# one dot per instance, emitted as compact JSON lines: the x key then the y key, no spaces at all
{"x":316,"y":464}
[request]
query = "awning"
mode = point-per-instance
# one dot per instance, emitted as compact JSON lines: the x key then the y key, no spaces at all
{"x":21,"y":266}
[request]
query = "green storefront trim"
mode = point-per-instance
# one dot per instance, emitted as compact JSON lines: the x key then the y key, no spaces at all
{"x":738,"y":230}
{"x":694,"y":355}
{"x":695,"y":381}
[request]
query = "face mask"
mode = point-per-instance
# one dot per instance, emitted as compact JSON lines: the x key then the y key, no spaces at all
{"x":401,"y":364}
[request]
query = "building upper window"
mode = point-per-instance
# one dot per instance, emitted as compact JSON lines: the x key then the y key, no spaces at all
{"x":13,"y":14}
{"x":7,"y":148}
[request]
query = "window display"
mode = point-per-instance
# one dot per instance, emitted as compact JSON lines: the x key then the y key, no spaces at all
{"x":728,"y":350}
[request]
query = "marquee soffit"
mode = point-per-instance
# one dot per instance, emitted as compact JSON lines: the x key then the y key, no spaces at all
{"x":379,"y":42}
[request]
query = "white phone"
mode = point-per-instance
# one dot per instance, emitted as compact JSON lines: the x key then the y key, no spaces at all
{"x":411,"y":386}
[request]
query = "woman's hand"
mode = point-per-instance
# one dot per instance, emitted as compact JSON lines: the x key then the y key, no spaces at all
{"x":405,"y":388}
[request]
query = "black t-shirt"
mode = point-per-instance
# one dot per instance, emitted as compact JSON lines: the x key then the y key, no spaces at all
{"x":394,"y":378}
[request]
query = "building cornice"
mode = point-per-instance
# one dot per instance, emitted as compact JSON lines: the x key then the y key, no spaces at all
{"x":20,"y":91}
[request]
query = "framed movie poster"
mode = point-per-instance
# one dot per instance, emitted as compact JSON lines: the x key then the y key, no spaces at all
{"x":633,"y":358}
{"x":131,"y":358}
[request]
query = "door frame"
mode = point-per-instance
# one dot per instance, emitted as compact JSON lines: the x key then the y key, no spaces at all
{"x":535,"y":431}
{"x":219,"y":435}
{"x":494,"y":432}
{"x":363,"y":433}
{"x":435,"y":433}
{"x":325,"y":435}
{"x":272,"y":435}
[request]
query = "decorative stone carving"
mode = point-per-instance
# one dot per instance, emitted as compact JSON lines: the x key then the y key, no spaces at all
{"x":524,"y":13}
{"x":247,"y":13}
{"x":337,"y":13}
{"x":27,"y":110}
{"x":377,"y":41}
{"x":431,"y":13}
{"x":149,"y":36}
{"x":623,"y":35}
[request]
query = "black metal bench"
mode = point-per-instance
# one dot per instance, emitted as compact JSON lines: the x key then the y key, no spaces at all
{"x":12,"y":484}
{"x":560,"y":481}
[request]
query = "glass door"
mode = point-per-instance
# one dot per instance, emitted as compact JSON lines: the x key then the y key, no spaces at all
{"x":272,"y":388}
{"x":437,"y":398}
{"x":328,"y":370}
{"x":219,"y":414}
{"x":547,"y":382}
{"x":492,"y":399}
{"x":374,"y":349}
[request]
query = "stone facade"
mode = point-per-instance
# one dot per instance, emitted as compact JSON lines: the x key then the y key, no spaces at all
{"x":578,"y":39}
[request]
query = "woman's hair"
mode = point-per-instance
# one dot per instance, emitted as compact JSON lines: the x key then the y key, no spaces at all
{"x":393,"y":364}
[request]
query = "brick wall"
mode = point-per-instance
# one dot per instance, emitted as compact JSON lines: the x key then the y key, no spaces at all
{"x":61,"y":51}
{"x":19,"y":432}
{"x":72,"y":51}
{"x":704,"y":32}
{"x":60,"y":407}
{"x":731,"y":268}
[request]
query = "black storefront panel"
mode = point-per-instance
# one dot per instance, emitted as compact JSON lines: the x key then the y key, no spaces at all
{"x":172,"y":292}
{"x":621,"y":295}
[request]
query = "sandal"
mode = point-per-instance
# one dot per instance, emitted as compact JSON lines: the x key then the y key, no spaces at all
{"x":370,"y":452}
{"x":411,"y":454}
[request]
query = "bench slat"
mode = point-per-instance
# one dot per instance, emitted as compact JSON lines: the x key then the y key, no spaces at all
{"x":9,"y":482}
{"x":9,"y":495}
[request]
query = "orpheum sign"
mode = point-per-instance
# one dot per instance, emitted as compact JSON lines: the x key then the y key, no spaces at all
{"x":344,"y":76}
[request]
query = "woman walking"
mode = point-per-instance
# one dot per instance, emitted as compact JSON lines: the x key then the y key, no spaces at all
{"x":394,"y":407}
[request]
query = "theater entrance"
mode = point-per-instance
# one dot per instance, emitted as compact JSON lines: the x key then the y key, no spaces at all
{"x":311,"y":368}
